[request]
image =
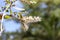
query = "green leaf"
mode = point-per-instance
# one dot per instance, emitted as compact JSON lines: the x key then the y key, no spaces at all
{"x":7,"y":17}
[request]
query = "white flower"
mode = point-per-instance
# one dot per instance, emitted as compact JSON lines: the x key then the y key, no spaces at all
{"x":33,"y":2}
{"x":34,"y":17}
{"x":31,"y":18}
{"x":38,"y":19}
{"x":27,"y":18}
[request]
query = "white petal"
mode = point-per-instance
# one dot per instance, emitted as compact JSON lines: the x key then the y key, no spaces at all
{"x":18,"y":8}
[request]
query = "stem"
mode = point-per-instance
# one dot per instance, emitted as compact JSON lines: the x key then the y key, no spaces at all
{"x":3,"y":18}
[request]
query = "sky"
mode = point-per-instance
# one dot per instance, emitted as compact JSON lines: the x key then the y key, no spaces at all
{"x":11,"y":26}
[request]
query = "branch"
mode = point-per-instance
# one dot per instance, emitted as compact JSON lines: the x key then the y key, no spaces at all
{"x":3,"y":18}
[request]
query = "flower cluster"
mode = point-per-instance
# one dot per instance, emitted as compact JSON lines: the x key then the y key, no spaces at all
{"x":31,"y":19}
{"x":26,"y":20}
{"x":29,"y":1}
{"x":33,"y":2}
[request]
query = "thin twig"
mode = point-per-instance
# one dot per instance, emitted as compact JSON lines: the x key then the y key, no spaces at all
{"x":3,"y":18}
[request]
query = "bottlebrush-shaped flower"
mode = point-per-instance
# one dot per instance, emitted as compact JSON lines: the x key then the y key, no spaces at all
{"x":31,"y":19}
{"x":27,"y":20}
